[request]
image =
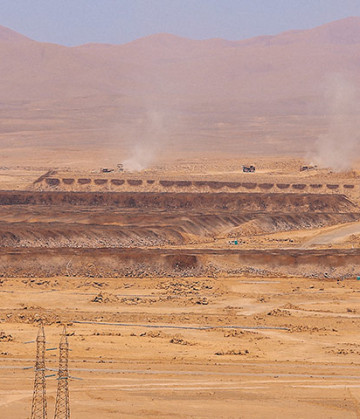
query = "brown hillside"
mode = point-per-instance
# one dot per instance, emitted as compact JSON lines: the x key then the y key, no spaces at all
{"x":211,"y":95}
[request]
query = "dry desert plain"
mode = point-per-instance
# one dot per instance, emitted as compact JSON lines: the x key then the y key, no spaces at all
{"x":166,"y":315}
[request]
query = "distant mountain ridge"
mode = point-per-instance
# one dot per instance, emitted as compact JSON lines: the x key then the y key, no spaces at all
{"x":8,"y":35}
{"x":211,"y":84}
{"x":215,"y":66}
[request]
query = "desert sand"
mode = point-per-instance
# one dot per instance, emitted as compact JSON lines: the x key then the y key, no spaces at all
{"x":166,"y":315}
{"x":189,"y":288}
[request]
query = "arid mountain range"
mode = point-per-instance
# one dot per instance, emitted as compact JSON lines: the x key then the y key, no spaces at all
{"x":165,"y":94}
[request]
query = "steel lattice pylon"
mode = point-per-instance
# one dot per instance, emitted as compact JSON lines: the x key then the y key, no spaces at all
{"x":62,"y":405}
{"x":39,"y":405}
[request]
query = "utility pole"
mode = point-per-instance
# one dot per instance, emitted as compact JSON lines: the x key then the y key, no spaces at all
{"x":39,"y":405}
{"x":62,"y":405}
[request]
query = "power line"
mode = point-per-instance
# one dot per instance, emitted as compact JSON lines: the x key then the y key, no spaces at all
{"x":39,"y":404}
{"x":62,"y":405}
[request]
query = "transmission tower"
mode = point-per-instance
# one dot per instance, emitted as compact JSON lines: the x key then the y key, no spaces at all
{"x":62,"y":405}
{"x":39,"y":405}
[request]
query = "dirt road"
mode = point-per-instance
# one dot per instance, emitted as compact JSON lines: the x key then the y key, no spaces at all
{"x":142,"y":347}
{"x":333,"y":235}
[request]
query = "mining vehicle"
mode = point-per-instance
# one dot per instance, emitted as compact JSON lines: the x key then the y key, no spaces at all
{"x":304,"y":168}
{"x":248,"y":169}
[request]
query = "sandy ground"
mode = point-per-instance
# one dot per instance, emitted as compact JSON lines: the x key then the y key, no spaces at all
{"x":20,"y":173}
{"x":231,"y":347}
{"x":183,"y":345}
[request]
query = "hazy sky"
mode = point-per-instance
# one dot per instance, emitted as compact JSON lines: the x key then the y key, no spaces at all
{"x":74,"y":22}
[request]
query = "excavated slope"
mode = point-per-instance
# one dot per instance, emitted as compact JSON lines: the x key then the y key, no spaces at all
{"x":100,"y":220}
{"x":246,"y":202}
{"x":177,"y":262}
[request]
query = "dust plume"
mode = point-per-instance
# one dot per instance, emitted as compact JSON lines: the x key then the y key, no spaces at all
{"x":147,"y":144}
{"x":339,"y":147}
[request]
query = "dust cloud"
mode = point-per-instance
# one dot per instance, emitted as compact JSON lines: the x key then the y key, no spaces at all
{"x":148,"y":143}
{"x":339,"y":147}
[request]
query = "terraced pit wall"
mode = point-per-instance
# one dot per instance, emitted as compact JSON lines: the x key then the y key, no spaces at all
{"x":109,"y":234}
{"x":329,"y":264}
{"x":220,"y":201}
{"x":150,"y":185}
